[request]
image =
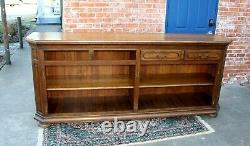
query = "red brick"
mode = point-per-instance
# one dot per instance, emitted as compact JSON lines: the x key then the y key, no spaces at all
{"x":233,"y":22}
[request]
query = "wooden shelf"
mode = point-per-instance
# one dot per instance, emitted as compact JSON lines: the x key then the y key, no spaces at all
{"x":166,"y":101}
{"x":89,"y":104}
{"x":80,"y":83}
{"x":91,"y":62}
{"x":168,"y":80}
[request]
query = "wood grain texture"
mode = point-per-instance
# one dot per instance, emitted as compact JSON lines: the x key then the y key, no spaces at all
{"x":122,"y":38}
{"x":89,"y":104}
{"x":81,"y":83}
{"x":97,"y":76}
{"x":151,"y":102}
{"x":203,"y":55}
{"x":168,"y":80}
{"x":162,"y":54}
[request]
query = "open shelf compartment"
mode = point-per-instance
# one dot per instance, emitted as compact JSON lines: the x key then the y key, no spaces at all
{"x":90,"y":54}
{"x":89,"y":77}
{"x":114,"y":54}
{"x":167,"y":97}
{"x":166,"y":80}
{"x":89,"y":101}
{"x":85,"y":83}
{"x":176,"y":75}
{"x":67,"y":55}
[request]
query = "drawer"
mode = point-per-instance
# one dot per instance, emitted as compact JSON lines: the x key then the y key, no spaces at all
{"x":162,"y":54}
{"x":203,"y":54}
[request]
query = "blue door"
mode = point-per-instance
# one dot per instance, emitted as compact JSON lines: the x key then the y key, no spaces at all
{"x":191,"y":16}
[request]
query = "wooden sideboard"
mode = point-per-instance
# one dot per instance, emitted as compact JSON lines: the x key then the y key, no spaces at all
{"x":99,"y":76}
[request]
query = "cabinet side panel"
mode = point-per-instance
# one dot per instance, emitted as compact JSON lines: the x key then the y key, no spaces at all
{"x":36,"y":81}
{"x":42,"y":81}
{"x":218,"y":79}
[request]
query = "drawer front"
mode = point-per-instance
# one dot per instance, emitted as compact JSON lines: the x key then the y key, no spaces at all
{"x":203,"y":55}
{"x":162,"y":54}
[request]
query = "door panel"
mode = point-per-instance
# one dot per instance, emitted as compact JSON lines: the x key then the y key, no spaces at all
{"x":191,"y":16}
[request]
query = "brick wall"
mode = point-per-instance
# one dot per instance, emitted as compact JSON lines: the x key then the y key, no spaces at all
{"x":234,"y":22}
{"x":114,"y":15}
{"x":149,"y":16}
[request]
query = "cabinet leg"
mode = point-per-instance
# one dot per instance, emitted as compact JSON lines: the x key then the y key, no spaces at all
{"x":213,"y":115}
{"x":42,"y":125}
{"x":218,"y":107}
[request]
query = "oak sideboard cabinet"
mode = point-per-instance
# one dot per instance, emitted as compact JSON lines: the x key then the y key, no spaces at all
{"x":99,"y":76}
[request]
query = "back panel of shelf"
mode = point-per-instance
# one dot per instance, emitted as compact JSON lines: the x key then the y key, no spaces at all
{"x":89,"y":77}
{"x":174,"y":97}
{"x":67,"y":55}
{"x":79,"y":81}
{"x":114,"y":55}
{"x":163,"y":75}
{"x":90,"y":101}
{"x":176,"y":85}
{"x":89,"y":54}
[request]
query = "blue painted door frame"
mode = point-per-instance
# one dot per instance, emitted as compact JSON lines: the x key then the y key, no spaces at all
{"x":191,"y":16}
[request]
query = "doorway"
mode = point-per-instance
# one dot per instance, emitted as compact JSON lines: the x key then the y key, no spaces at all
{"x":191,"y":16}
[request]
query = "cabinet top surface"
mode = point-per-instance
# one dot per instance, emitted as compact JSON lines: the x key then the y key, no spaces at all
{"x":123,"y":38}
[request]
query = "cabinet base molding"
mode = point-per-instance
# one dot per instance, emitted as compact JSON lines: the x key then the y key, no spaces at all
{"x":45,"y":120}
